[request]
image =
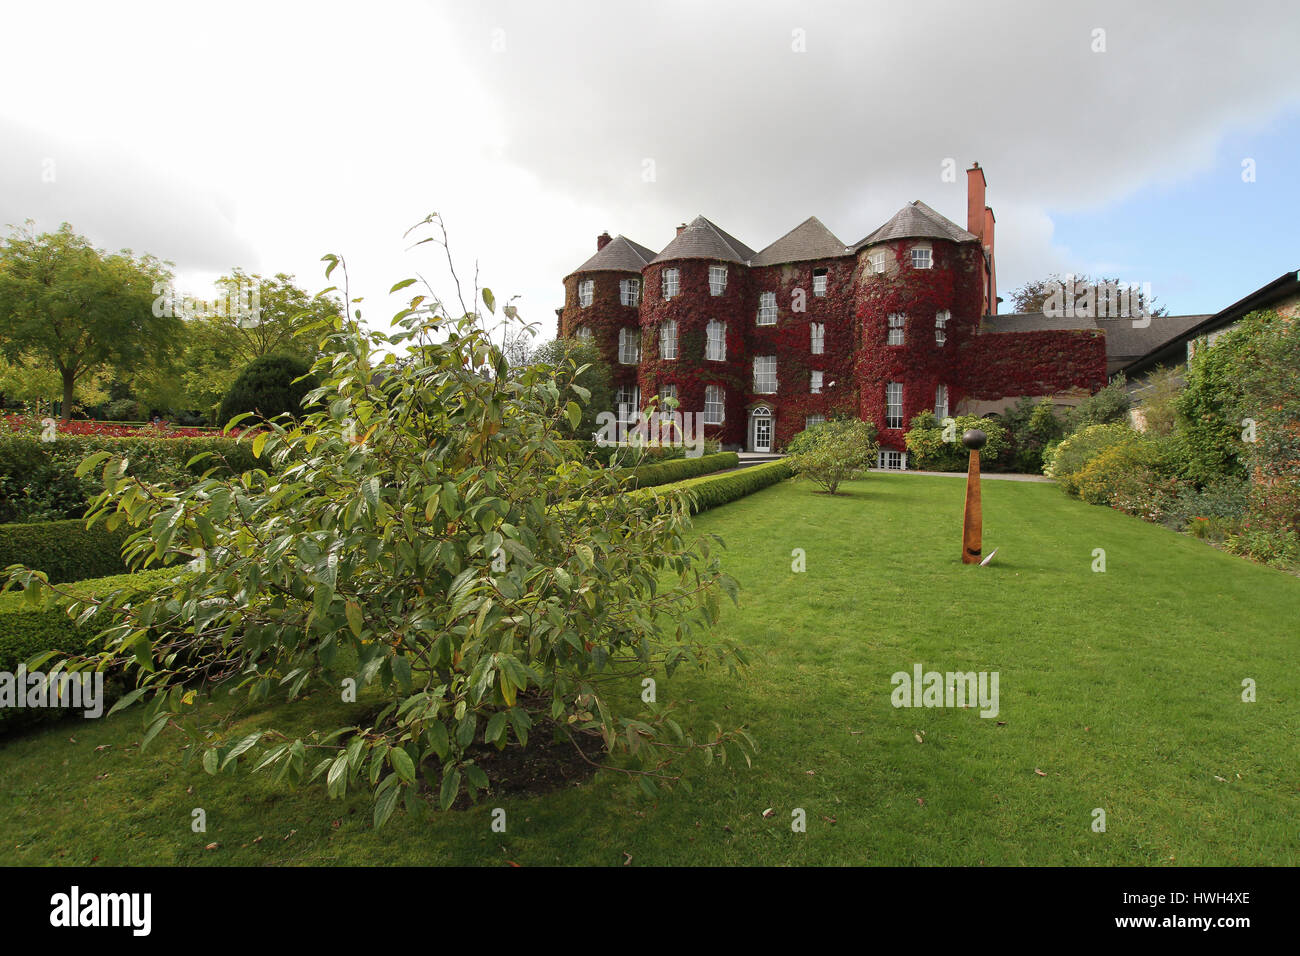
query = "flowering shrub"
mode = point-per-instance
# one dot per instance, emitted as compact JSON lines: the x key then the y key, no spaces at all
{"x":31,"y":425}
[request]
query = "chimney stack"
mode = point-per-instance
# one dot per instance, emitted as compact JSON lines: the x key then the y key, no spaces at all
{"x":975,"y":186}
{"x":680,"y":228}
{"x":602,"y":241}
{"x":979,"y":222}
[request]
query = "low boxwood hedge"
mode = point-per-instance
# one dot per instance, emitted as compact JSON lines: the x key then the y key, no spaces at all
{"x":27,"y":630}
{"x":713,"y":490}
{"x":627,"y":455}
{"x":64,"y":550}
{"x":679,"y":469}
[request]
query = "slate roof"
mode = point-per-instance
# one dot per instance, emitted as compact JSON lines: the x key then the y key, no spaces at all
{"x":916,"y":220}
{"x":1124,"y":341}
{"x":619,"y":255}
{"x":808,"y":240}
{"x":703,"y":240}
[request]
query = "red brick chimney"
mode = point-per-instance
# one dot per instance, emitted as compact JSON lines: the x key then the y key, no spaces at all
{"x":975,"y":186}
{"x":602,"y":241}
{"x":680,"y":228}
{"x":979,"y":221}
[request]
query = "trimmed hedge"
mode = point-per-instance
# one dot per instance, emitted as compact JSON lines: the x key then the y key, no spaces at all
{"x":679,"y":469}
{"x":713,"y":490}
{"x":38,"y":480}
{"x":64,"y":550}
{"x":27,"y":630}
{"x":626,"y":454}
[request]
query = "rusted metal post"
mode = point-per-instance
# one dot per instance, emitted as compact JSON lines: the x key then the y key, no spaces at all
{"x":972,"y":528}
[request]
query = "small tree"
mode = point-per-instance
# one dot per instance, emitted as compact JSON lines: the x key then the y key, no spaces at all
{"x":583,"y":362}
{"x":1033,"y":296}
{"x":834,"y":451}
{"x":431,"y":548}
{"x":268,"y":387}
{"x":76,"y":310}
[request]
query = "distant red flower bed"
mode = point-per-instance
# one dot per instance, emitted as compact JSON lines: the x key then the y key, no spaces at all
{"x":22,"y":423}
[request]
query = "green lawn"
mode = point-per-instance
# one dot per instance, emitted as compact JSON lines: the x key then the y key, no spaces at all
{"x":1122,"y":688}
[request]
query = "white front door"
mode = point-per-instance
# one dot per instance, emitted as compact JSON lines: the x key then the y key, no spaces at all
{"x":762,"y":430}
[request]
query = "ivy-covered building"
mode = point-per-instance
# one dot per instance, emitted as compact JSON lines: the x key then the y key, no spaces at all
{"x":765,"y":343}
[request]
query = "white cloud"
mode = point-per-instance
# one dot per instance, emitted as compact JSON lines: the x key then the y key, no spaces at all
{"x":266,"y":135}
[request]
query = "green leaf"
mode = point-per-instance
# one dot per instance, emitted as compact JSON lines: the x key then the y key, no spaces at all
{"x":438,"y":740}
{"x":496,"y":727}
{"x":450,"y":787}
{"x":402,"y":763}
{"x":490,"y":301}
{"x":385,"y":804}
{"x":211,"y":761}
{"x":153,"y":731}
{"x":88,"y":463}
{"x":401,"y":285}
{"x":259,"y":443}
{"x":240,"y":748}
{"x":336,"y":779}
{"x":353,"y":612}
{"x":127,"y":701}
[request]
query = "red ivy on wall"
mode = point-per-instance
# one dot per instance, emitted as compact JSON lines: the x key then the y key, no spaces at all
{"x":953,"y":283}
{"x":856,"y":363}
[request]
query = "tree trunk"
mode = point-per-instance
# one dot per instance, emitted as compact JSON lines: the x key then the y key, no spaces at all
{"x":69,"y":382}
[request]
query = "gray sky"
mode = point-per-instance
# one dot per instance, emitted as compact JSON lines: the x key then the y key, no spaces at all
{"x":265,"y":135}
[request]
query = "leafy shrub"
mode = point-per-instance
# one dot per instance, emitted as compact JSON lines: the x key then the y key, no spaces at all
{"x":1127,"y":477}
{"x":1223,"y":500}
{"x":38,"y":480}
{"x":64,"y":550}
{"x":1031,"y":427}
{"x":269,"y":386}
{"x":1157,"y":400}
{"x":938,"y":447}
{"x":834,"y":451}
{"x":1073,"y":453}
{"x":124,"y":410}
{"x":427,"y":538}
{"x":28,"y":630}
{"x":1103,"y":407}
{"x":679,"y":469}
{"x":1210,"y":409}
